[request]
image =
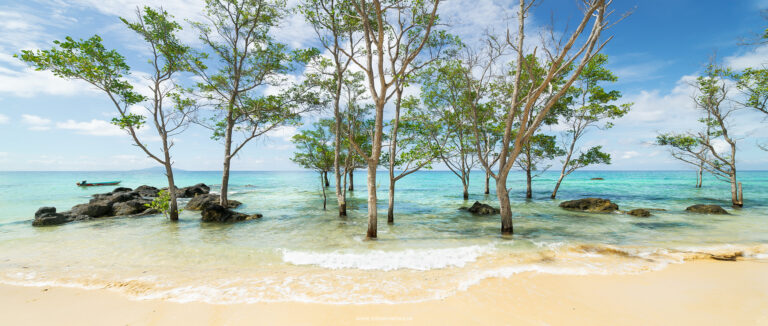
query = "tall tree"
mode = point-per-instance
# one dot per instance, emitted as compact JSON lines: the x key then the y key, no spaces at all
{"x":590,"y":106}
{"x":388,"y":27}
{"x":446,"y":105}
{"x":168,"y":112}
{"x":537,"y":150}
{"x":246,"y":61}
{"x":712,"y":98}
{"x":410,"y":152}
{"x":565,"y":59}
{"x":333,"y":22}
{"x":314,"y":152}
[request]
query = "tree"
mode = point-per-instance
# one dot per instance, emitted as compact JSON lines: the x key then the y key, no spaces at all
{"x":412,"y":152}
{"x":712,"y":98}
{"x":590,"y":106}
{"x":388,"y":27}
{"x":560,"y":57}
{"x":335,"y":27}
{"x":538,"y":149}
{"x":313,"y":151}
{"x":248,"y":60}
{"x":446,"y":104}
{"x":168,"y":112}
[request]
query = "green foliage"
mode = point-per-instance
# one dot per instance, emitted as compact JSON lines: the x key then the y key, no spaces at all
{"x":678,"y":141}
{"x":538,"y":149}
{"x":162,"y":203}
{"x":314,"y":147}
{"x":90,"y":61}
{"x":594,"y":155}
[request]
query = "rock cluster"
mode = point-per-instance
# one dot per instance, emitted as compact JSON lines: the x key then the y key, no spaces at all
{"x":591,"y":205}
{"x":119,"y":202}
{"x":639,"y":212}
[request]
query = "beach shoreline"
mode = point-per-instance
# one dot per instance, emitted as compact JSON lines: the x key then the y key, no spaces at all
{"x":700,"y":292}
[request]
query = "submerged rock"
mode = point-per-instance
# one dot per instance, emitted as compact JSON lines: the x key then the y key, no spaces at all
{"x":597,"y":179}
{"x":592,"y":205}
{"x":706,"y":209}
{"x":639,"y":212}
{"x":219,"y":214}
{"x":200,"y":202}
{"x":479,"y":208}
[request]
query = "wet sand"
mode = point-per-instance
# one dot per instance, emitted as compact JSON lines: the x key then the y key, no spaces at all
{"x":702,"y":292}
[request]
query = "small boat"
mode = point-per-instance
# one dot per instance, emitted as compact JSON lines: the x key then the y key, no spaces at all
{"x":94,"y":184}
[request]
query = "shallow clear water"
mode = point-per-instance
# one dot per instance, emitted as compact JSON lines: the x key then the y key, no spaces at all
{"x":298,"y":252}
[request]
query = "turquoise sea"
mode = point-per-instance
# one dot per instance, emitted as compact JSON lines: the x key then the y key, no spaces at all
{"x":298,"y":252}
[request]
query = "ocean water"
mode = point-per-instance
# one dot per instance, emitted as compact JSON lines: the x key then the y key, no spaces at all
{"x":298,"y":252}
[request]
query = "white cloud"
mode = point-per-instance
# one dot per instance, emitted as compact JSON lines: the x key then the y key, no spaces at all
{"x":3,"y":119}
{"x":757,"y":57}
{"x":36,"y":123}
{"x":629,"y":155}
{"x":655,"y":107}
{"x":94,"y":127}
{"x":284,"y":132}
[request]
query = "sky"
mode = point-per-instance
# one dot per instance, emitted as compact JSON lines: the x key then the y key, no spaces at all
{"x":51,"y":124}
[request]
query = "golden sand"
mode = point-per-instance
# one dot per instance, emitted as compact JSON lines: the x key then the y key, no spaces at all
{"x":694,"y":293}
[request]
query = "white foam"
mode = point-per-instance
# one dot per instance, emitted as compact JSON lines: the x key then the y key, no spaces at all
{"x":416,"y":259}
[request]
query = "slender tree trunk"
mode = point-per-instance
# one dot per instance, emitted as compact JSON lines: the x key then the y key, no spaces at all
{"x":174,"y":209}
{"x":325,"y":175}
{"x":557,"y":185}
{"x":372,"y":212}
{"x":391,"y":209}
{"x":325,"y":198}
{"x":504,"y":206}
{"x":528,"y":179}
{"x":227,"y":159}
{"x":352,"y":180}
{"x":487,"y":182}
{"x":466,"y":189}
{"x":736,"y":195}
{"x":700,"y":177}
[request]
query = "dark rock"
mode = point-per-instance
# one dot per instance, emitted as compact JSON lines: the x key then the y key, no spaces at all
{"x":130,"y":207}
{"x":147,"y":191}
{"x":192,"y":191}
{"x":639,"y":212}
{"x":706,"y":209}
{"x":96,"y":209}
{"x":45,"y":210}
{"x":592,"y":205}
{"x":121,"y":189}
{"x":219,"y":214}
{"x":728,"y":256}
{"x":46,"y":219}
{"x":597,"y":179}
{"x":200,"y":202}
{"x":479,"y":208}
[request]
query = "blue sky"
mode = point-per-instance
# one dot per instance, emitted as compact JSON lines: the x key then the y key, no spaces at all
{"x":51,"y":124}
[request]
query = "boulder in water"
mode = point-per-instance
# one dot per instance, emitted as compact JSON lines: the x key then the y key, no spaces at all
{"x":219,"y":214}
{"x":192,"y":191}
{"x":479,"y":208}
{"x":131,"y":207}
{"x":639,"y":212}
{"x":147,"y":191}
{"x":591,"y":205}
{"x":597,"y":179}
{"x":706,"y":209}
{"x":200,"y":202}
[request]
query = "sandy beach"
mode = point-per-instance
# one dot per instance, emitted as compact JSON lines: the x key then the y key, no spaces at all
{"x":701,"y":292}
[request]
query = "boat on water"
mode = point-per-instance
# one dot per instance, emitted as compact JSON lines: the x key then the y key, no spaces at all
{"x":95,"y":184}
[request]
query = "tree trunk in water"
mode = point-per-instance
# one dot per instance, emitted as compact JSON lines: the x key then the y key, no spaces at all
{"x":557,"y":186}
{"x":466,"y":192}
{"x":487,"y":182}
{"x":325,"y":175}
{"x":174,"y":206}
{"x":325,"y":198}
{"x":528,"y":191}
{"x":504,"y":207}
{"x":700,"y":177}
{"x":224,"y":183}
{"x":391,"y":210}
{"x":736,"y":195}
{"x":352,"y":180}
{"x":372,"y":212}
